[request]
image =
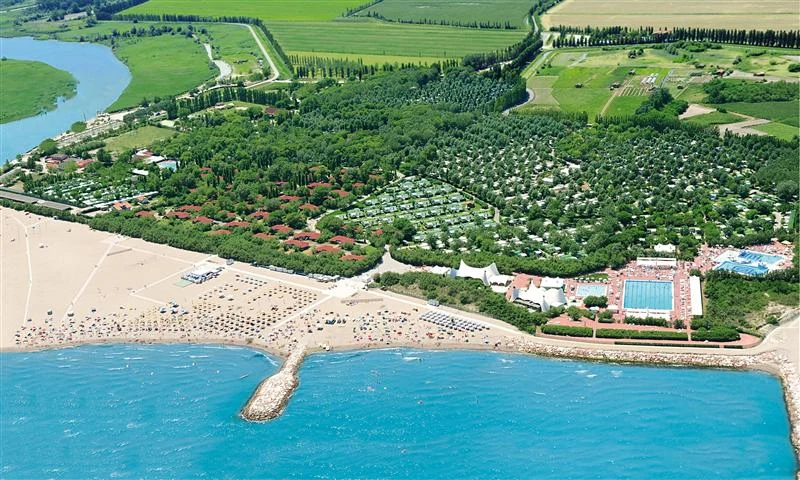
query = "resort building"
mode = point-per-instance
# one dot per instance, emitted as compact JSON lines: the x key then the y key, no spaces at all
{"x":202,"y":273}
{"x":539,"y":298}
{"x":488,"y":275}
{"x":748,"y":262}
{"x":696,"y":296}
{"x":656,"y":262}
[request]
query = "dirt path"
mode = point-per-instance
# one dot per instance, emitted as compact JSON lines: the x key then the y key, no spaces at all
{"x":225,"y":70}
{"x":743,"y":128}
{"x":273,"y":69}
{"x":531,"y":96}
{"x":695,"y":110}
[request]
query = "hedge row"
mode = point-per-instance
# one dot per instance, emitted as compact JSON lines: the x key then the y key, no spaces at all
{"x":637,"y":334}
{"x":567,"y":331}
{"x":653,"y":322}
{"x":716,"y":334}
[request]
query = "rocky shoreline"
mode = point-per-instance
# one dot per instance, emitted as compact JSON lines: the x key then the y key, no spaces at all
{"x":270,"y":398}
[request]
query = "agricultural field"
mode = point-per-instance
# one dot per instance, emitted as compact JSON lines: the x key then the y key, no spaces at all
{"x":29,"y":88}
{"x":715,"y":118}
{"x":369,"y":37}
{"x":778,"y":130}
{"x":739,"y":14}
{"x":555,"y":80}
{"x":513,"y":12}
{"x":268,"y":10}
{"x":140,"y":138}
{"x":783,"y":112}
{"x":317,"y":28}
{"x":436,"y":209}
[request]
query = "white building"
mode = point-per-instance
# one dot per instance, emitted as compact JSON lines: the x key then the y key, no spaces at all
{"x":664,"y":248}
{"x":549,"y":282}
{"x":656,"y":262}
{"x":541,"y":298}
{"x":696,"y":296}
{"x":201,"y":273}
{"x":488,"y":275}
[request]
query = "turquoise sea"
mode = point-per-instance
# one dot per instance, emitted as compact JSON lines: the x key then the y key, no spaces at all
{"x":170,"y":411}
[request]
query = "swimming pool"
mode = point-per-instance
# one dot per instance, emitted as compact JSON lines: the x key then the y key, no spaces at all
{"x":647,"y":295}
{"x":743,"y":268}
{"x":591,"y":291}
{"x":758,"y":257}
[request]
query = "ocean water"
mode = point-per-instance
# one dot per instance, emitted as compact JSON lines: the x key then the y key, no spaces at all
{"x":170,"y":411}
{"x":101,"y":79}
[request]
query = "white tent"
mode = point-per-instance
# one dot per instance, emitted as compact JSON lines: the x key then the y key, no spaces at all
{"x":485,"y":274}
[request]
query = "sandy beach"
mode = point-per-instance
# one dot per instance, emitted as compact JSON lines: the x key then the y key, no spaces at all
{"x":64,"y":284}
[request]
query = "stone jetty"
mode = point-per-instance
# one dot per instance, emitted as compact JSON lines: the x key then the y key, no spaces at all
{"x":272,"y":395}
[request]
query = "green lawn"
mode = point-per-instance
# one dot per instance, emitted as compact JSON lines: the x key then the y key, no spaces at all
{"x":161,"y":66}
{"x":783,"y":112}
{"x":29,"y":88}
{"x":715,"y":118}
{"x":494,"y":11}
{"x":234,"y":44}
{"x":268,"y":10}
{"x":140,"y":138}
{"x":779,"y":130}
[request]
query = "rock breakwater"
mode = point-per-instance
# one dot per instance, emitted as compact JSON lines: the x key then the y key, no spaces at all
{"x":272,"y":395}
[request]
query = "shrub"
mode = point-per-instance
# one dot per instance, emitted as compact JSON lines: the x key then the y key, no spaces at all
{"x":636,"y":334}
{"x":653,"y":322}
{"x":595,"y":301}
{"x":567,"y":331}
{"x":716,"y":334}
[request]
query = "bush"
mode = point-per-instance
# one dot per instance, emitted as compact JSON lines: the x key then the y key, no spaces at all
{"x":653,"y":322}
{"x":564,"y":330}
{"x":716,"y":334}
{"x":605,"y":317}
{"x":595,"y":301}
{"x":636,"y":334}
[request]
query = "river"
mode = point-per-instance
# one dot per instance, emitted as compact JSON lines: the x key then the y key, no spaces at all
{"x":101,"y":79}
{"x":170,"y":411}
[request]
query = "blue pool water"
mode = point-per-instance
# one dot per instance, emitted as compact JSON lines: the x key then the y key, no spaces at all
{"x":101,"y":79}
{"x":647,"y":295}
{"x":758,"y":257}
{"x":591,"y":290}
{"x":131,"y":411}
{"x":743,"y":268}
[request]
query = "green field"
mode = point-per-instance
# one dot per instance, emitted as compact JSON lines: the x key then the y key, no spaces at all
{"x":268,"y":10}
{"x":317,"y":28}
{"x":779,"y":130}
{"x":783,"y":112}
{"x":494,"y":11}
{"x":235,"y":45}
{"x":29,"y":88}
{"x":161,"y":66}
{"x":368,"y":37}
{"x":715,"y":118}
{"x":140,"y":138}
{"x":624,"y":106}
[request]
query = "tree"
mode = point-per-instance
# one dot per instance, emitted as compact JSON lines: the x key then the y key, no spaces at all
{"x":104,"y":157}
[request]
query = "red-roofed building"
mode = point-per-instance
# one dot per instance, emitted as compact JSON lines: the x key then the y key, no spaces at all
{"x":203,"y":220}
{"x":299,"y":244}
{"x":271,"y":111}
{"x":144,"y":213}
{"x":282,"y":228}
{"x":221,"y":231}
{"x":179,"y":215}
{"x":341,"y":239}
{"x":262,"y":215}
{"x":307,"y":236}
{"x":377,"y":232}
{"x":318,"y":184}
{"x":189,"y":208}
{"x":341,"y":193}
{"x":327,"y":249}
{"x":237,"y":223}
{"x":264,"y":236}
{"x":309,"y":207}
{"x":122,"y":206}
{"x":288,"y":198}
{"x":230,"y":215}
{"x":83,"y":163}
{"x":359,"y":184}
{"x":353,"y":258}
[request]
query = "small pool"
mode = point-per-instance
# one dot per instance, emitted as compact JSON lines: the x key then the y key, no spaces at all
{"x":591,"y":291}
{"x":168,"y":164}
{"x":758,"y":257}
{"x":647,"y":295}
{"x":743,"y":269}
